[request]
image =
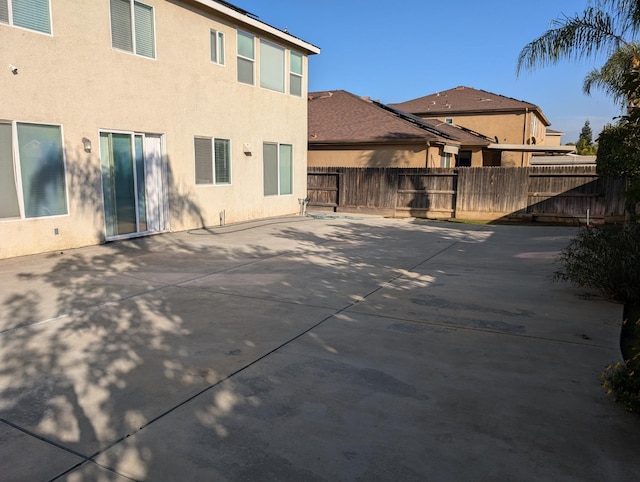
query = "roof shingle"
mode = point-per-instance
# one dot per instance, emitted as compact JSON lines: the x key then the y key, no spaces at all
{"x":463,"y":99}
{"x":339,"y":116}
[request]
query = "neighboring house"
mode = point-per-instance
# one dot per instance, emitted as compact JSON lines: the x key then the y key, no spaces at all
{"x":563,"y":160}
{"x":350,"y":131}
{"x":553,"y":138}
{"x":517,"y":128}
{"x":126,"y":118}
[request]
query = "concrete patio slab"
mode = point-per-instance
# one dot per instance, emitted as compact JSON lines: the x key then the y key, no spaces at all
{"x":369,"y":411}
{"x":336,"y":348}
{"x":25,"y":457}
{"x":95,"y":377}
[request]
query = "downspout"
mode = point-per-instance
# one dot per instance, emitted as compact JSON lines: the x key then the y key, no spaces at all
{"x":426,"y":164}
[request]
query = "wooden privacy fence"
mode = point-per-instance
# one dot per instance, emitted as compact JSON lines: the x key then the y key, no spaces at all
{"x":487,"y":193}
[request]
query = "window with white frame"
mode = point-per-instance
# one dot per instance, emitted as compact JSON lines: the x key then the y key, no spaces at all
{"x":271,"y":66}
{"x":534,"y":125}
{"x":40,"y":188}
{"x":448,"y":120}
{"x":132,"y":27}
{"x":446,"y":160}
{"x":277,"y":169}
{"x":213,"y":160}
{"x":217,"y":47}
{"x":29,"y":14}
{"x":246,"y":57}
{"x":295,"y":74}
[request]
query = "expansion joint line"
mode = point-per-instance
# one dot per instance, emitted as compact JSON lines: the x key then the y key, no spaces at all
{"x":254,"y":362}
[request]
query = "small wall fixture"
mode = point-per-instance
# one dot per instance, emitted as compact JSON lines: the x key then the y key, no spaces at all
{"x":87,"y":144}
{"x":246,"y":148}
{"x":14,"y":69}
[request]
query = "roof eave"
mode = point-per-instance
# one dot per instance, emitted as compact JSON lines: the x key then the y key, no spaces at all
{"x":375,"y":141}
{"x":531,"y":148}
{"x":245,"y":19}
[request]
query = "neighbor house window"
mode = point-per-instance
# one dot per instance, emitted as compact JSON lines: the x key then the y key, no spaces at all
{"x":295,"y":74}
{"x":271,"y":66}
{"x":446,"y":160}
{"x":449,"y":120}
{"x":213,"y":160}
{"x":217,"y":47}
{"x":39,"y":163}
{"x":246,"y":58}
{"x":278,"y":169}
{"x":30,"y":14}
{"x":132,"y":27}
{"x":534,"y":125}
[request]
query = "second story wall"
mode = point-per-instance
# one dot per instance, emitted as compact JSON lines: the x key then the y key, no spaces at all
{"x":159,"y":67}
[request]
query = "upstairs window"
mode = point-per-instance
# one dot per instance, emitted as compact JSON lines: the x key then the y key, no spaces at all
{"x":217,"y":47}
{"x":29,"y":14}
{"x":271,"y":66}
{"x":132,"y":27}
{"x":246,"y":58}
{"x":295,"y":74}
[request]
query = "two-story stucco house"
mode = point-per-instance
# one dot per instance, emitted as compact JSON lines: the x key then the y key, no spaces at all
{"x":122,"y":118}
{"x":350,"y":131}
{"x":517,"y":127}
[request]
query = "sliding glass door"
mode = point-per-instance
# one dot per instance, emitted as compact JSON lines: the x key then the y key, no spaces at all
{"x":129,"y":172}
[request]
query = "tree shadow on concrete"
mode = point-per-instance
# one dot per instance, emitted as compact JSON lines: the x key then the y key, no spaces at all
{"x":140,"y":327}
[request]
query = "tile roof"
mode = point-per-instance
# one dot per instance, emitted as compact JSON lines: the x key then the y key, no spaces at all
{"x":339,"y":116}
{"x":463,"y":99}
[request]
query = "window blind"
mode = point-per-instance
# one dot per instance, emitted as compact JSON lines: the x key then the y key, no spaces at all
{"x":286,"y":169}
{"x":222,"y":161}
{"x":145,"y":42}
{"x":121,"y":34}
{"x":203,"y":158}
{"x":4,"y":11}
{"x":32,"y":14}
{"x":270,"y":169}
{"x":271,"y":66}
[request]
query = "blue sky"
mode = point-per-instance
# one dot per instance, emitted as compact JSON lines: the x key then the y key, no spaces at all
{"x":397,"y":51}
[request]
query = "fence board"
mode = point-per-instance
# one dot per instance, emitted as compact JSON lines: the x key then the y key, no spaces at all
{"x":480,"y":193}
{"x":492,"y":190}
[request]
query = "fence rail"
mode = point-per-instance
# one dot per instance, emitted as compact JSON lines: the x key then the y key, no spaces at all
{"x":489,"y":193}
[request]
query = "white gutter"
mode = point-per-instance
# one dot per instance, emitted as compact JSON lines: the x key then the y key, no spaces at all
{"x":257,"y":24}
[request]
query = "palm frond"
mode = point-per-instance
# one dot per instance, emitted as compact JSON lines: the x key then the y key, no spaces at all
{"x":626,"y":10}
{"x":573,"y":38}
{"x":611,"y":78}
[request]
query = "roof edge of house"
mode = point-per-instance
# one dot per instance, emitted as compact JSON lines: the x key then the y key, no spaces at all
{"x":249,"y":19}
{"x":353,"y":143}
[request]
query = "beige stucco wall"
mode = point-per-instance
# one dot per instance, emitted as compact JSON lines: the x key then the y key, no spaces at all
{"x":384,"y":156}
{"x":508,"y":128}
{"x":553,"y":139}
{"x":374,"y":156}
{"x":76,"y":79}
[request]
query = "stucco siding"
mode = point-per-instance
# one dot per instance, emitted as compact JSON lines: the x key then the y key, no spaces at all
{"x":381,"y":156}
{"x":75,"y":79}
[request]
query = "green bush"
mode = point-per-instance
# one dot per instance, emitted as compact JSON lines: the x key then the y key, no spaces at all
{"x":604,"y":258}
{"x":608,"y":259}
{"x":623,"y":383}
